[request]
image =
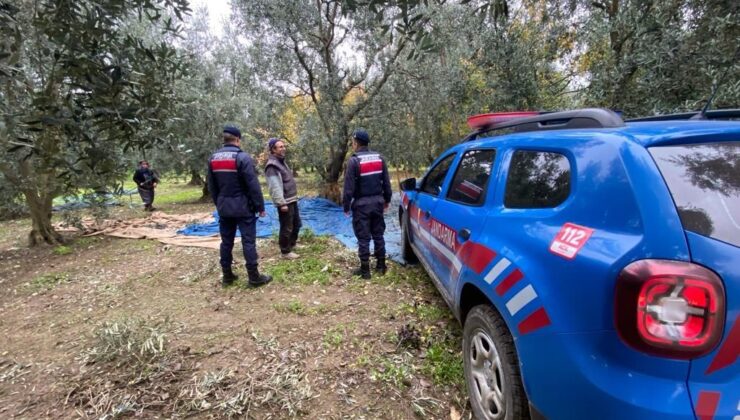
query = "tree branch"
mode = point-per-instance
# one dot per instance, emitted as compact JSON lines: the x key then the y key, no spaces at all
{"x":379,"y":85}
{"x":306,"y":68}
{"x":311,"y":79}
{"x":353,"y":83}
{"x":598,"y":5}
{"x":9,"y":173}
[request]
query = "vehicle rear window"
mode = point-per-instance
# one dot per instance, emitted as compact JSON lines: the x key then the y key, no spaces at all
{"x":537,"y":180}
{"x":704,"y":180}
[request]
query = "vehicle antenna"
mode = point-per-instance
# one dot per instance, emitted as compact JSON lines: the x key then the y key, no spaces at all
{"x":717,"y":83}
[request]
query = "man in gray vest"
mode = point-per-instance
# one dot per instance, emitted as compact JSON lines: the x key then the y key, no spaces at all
{"x":284,"y":193}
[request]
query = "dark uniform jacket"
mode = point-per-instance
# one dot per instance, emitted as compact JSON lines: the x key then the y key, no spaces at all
{"x":145,"y":178}
{"x":366,"y":179}
{"x":232,"y":181}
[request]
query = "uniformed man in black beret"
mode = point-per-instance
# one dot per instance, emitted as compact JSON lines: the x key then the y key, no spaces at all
{"x":236,"y":192}
{"x":367,"y":193}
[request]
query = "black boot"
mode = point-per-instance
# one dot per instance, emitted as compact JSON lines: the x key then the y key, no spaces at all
{"x":256,"y":279}
{"x":364,"y":270}
{"x":229,"y":277}
{"x":380,"y":267}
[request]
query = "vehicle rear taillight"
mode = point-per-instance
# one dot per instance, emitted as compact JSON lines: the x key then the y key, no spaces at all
{"x":669,"y":308}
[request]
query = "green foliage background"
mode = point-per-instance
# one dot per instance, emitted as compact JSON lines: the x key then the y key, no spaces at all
{"x":88,"y":88}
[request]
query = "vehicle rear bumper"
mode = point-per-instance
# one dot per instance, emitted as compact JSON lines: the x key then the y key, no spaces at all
{"x":594,"y":375}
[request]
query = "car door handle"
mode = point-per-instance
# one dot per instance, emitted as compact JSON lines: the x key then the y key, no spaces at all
{"x":464,"y":234}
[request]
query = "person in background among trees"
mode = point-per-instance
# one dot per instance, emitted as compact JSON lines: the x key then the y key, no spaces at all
{"x":284,"y":193}
{"x":146,"y":181}
{"x":236,"y":192}
{"x":367,"y":192}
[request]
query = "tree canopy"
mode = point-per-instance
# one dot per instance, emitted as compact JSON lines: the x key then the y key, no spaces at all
{"x":88,"y":87}
{"x":80,"y":86}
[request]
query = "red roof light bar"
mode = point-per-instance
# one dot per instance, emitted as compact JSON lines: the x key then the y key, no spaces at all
{"x":490,"y":119}
{"x":501,"y":123}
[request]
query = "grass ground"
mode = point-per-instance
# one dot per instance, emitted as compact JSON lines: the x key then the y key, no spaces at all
{"x":103,"y":327}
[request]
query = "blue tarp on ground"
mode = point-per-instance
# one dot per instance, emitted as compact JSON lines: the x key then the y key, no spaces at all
{"x":110,"y":199}
{"x":323,"y":217}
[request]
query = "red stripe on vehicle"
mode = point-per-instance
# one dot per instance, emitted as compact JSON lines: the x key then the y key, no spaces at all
{"x":706,"y":406}
{"x":534,"y":321}
{"x":223,"y":165}
{"x":414,"y":211}
{"x":424,"y":223}
{"x":729,"y":350}
{"x":405,"y":200}
{"x":371,"y":166}
{"x":475,"y":256}
{"x":509,"y":282}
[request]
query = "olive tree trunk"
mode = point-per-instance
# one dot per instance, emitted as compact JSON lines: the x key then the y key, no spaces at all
{"x":333,"y":171}
{"x":42,"y":232}
{"x":206,"y":193}
{"x":196,"y":179}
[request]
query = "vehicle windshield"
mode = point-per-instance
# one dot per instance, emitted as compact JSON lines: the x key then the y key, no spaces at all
{"x":704,"y":180}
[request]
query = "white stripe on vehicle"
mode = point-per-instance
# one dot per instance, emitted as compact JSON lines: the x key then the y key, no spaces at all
{"x":521,"y":299}
{"x":415,"y":225}
{"x":420,"y":232}
{"x":446,"y":252}
{"x":497,"y":269}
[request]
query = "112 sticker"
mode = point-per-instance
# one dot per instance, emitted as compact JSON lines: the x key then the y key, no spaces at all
{"x":569,"y":240}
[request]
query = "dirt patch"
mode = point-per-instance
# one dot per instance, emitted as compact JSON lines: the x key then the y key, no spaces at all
{"x":118,"y":327}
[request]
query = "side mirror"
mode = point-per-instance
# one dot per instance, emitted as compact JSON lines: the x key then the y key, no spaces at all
{"x":408,"y":184}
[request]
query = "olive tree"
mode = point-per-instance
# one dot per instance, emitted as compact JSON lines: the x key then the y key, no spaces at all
{"x":480,"y":63}
{"x":647,"y":57}
{"x":217,"y":88}
{"x":328,"y":52}
{"x":79,"y":87}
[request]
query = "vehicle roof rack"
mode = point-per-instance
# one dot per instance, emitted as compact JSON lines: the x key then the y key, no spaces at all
{"x":559,"y":120}
{"x":715,"y":114}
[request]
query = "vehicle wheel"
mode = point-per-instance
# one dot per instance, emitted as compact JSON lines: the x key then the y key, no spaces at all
{"x":492,"y":367}
{"x":406,"y":251}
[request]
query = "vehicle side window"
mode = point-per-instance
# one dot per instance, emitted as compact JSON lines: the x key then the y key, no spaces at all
{"x":471,"y":178}
{"x":436,"y":177}
{"x":537,"y":180}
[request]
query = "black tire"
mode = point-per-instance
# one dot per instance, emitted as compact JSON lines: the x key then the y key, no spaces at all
{"x":407,"y":252}
{"x":492,"y":367}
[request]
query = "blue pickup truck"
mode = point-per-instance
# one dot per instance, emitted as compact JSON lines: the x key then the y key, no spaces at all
{"x":593,"y":262}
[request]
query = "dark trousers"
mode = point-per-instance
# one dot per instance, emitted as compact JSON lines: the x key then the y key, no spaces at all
{"x":248,"y":229}
{"x":147,"y":196}
{"x":368,"y":223}
{"x":290,"y":225}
